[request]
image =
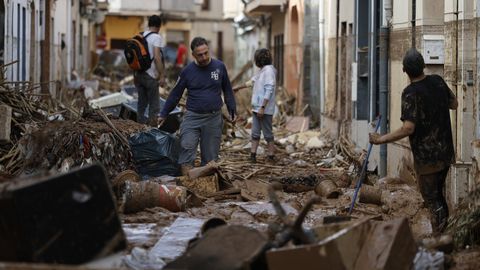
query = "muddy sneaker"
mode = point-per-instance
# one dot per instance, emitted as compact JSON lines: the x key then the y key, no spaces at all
{"x":253,"y":157}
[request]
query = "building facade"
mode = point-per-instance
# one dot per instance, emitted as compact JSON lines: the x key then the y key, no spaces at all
{"x":45,"y":40}
{"x":362,"y":44}
{"x":184,"y":20}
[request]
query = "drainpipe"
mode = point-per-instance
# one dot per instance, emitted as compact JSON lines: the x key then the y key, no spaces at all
{"x":383,"y":80}
{"x":321,"y":49}
{"x":69,"y":39}
{"x":372,"y":58}
{"x":414,"y":23}
{"x":337,"y":73}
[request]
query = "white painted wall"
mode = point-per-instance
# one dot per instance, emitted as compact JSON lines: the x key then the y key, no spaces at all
{"x":17,"y":38}
{"x":401,"y":14}
{"x":18,"y":41}
{"x":232,"y":8}
{"x":144,"y":5}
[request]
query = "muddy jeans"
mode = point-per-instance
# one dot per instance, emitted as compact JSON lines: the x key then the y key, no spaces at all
{"x":431,"y":187}
{"x":205,"y":128}
{"x":147,"y":88}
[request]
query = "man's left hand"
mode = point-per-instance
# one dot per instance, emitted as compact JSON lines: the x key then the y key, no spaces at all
{"x":233,"y":118}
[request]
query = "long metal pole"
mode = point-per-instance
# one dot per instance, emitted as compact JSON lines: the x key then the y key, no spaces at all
{"x":364,"y":170}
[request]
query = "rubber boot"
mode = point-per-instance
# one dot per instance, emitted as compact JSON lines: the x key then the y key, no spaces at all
{"x":253,"y":157}
{"x":271,"y":151}
{"x":431,"y":188}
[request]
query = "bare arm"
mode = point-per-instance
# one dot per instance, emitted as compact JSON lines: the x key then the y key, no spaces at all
{"x":242,"y":86}
{"x":157,"y":58}
{"x":407,"y":129}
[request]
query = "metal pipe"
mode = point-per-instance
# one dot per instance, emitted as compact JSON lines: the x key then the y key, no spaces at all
{"x":69,"y":40}
{"x":372,"y":58}
{"x":414,"y":22}
{"x":383,"y":80}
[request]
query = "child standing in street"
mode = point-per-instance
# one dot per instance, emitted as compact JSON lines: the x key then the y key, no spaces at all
{"x":263,"y":102}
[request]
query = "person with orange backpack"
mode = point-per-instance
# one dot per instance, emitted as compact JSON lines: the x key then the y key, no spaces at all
{"x":144,"y":55}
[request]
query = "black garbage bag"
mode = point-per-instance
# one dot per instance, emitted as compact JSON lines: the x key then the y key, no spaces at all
{"x":155,"y":153}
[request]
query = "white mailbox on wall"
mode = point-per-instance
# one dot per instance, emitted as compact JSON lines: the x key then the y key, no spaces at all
{"x":433,"y":49}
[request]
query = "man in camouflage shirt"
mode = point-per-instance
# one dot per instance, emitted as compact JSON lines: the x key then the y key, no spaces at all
{"x":426,"y":120}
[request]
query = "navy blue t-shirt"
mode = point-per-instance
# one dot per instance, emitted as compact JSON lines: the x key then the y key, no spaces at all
{"x":205,"y":86}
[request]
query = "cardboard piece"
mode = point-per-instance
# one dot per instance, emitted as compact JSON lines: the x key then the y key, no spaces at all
{"x":361,"y":244}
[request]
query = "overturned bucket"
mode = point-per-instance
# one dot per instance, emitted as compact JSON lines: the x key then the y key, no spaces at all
{"x":370,"y":194}
{"x":140,"y":195}
{"x":328,"y":189}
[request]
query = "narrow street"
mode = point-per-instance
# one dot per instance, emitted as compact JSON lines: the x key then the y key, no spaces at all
{"x":87,"y":182}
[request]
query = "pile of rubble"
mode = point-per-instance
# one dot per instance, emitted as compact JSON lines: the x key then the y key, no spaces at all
{"x":293,"y":212}
{"x":41,"y":133}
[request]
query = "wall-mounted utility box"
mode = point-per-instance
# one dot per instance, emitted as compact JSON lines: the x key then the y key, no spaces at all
{"x":433,"y":49}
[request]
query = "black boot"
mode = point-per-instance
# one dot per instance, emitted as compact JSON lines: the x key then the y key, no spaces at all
{"x":431,"y":188}
{"x":253,"y":157}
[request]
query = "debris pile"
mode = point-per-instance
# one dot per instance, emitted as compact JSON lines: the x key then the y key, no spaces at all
{"x":48,"y":134}
{"x":464,"y":224}
{"x":28,"y":111}
{"x":68,"y":144}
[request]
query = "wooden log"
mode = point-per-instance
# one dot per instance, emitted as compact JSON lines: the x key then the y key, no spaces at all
{"x":5,"y":123}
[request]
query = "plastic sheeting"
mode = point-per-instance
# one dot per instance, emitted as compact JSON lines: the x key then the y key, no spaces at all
{"x":155,"y":153}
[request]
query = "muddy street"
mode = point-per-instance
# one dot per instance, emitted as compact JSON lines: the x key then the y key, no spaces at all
{"x":239,"y":134}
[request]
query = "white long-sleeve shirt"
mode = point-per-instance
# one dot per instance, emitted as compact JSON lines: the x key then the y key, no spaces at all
{"x":264,"y":84}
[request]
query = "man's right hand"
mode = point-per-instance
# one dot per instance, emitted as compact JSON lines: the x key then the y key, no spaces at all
{"x":160,"y":121}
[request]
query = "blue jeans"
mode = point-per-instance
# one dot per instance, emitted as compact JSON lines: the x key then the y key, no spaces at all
{"x":205,"y":128}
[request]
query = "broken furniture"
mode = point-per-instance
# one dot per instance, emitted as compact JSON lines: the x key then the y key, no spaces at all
{"x":68,"y":218}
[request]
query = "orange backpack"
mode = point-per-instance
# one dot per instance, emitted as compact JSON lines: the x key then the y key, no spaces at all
{"x":136,"y":52}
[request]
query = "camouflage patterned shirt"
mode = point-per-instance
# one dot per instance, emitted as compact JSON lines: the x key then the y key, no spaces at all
{"x":426,"y":103}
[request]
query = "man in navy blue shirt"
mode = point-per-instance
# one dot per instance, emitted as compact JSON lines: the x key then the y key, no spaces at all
{"x":205,"y":78}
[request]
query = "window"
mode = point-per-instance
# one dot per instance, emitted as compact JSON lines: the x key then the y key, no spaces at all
{"x":206,"y":5}
{"x":118,"y":43}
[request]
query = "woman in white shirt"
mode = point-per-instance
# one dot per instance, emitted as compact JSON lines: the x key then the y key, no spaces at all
{"x":263,"y":102}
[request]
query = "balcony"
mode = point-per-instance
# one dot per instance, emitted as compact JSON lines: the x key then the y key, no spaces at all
{"x":264,"y":6}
